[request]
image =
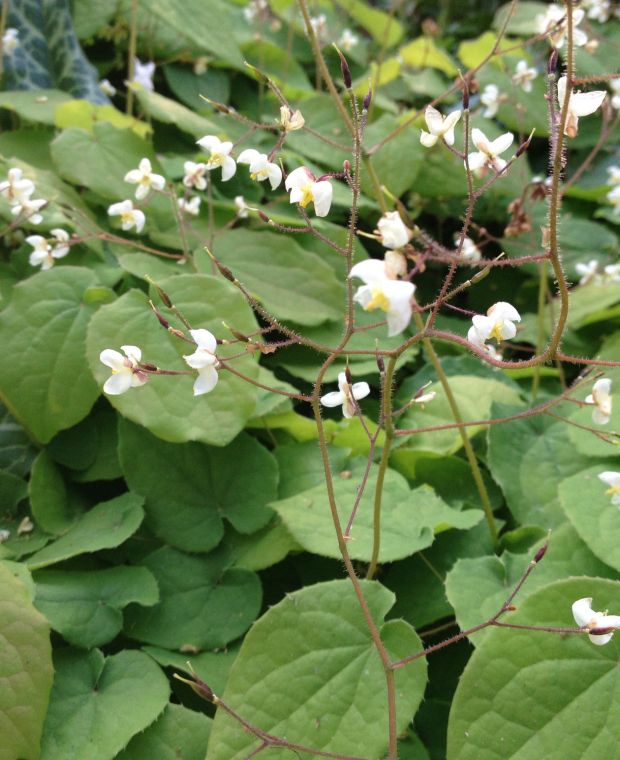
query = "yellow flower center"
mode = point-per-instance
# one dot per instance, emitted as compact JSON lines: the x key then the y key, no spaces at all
{"x":496,"y":332}
{"x":127,"y":217}
{"x":613,"y":490}
{"x":378,"y":301}
{"x":307,"y":196}
{"x":217,"y":159}
{"x":261,"y":174}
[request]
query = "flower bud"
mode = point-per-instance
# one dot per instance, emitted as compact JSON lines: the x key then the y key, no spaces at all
{"x":553,"y":62}
{"x":346,"y":71}
{"x":347,"y":373}
{"x":465,"y":97}
{"x":366,"y":101}
{"x":262,"y":215}
{"x":380,"y":365}
{"x":225,"y":271}
{"x":541,"y":553}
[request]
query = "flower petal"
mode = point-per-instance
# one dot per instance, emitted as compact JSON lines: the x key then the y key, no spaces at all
{"x":229,"y":167}
{"x":586,"y":103}
{"x":582,"y":611}
{"x":369,"y":271}
{"x":427,"y":139}
{"x":322,"y":196}
{"x":249,"y":155}
{"x":204,"y":339}
{"x":206,"y":381}
{"x":335,"y":398}
{"x":112,"y":359}
{"x":118,"y":383}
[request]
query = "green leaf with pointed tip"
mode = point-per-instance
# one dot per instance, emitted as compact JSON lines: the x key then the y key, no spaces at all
{"x":587,"y":505}
{"x":203,"y":485}
{"x":529,"y":458}
{"x":409,"y":519}
{"x":203,"y":604}
{"x":47,"y":385}
{"x":53,"y":507}
{"x":212,"y":667}
{"x":292,"y":283}
{"x":477,"y":587}
{"x":85,"y":607}
{"x":26,"y":668}
{"x":165,"y":405}
{"x":308,"y":670}
{"x":105,"y":157}
{"x":530,"y":694}
{"x":178,"y":734}
{"x":98,"y":703}
{"x":102,"y":527}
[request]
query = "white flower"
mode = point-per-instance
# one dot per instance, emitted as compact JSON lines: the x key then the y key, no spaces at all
{"x":614,"y":175}
{"x":579,"y":104}
{"x":615,"y":88}
{"x":130,"y":216}
{"x":392,"y":231}
{"x":491,"y":98}
{"x":585,"y":617}
{"x":107,"y":88}
{"x":260,"y":167}
{"x":4,"y":535}
{"x":194,"y":175}
{"x":469,"y":251}
{"x":391,"y":296}
{"x":15,"y":188}
{"x":488,"y":152}
{"x":348,"y":40}
{"x":598,"y":10}
{"x":29,"y":208}
{"x":612,"y":479}
{"x":498,"y":324}
{"x":204,"y":360}
{"x":588,"y":272}
{"x":524,"y":75}
{"x":241,"y":206}
{"x":191,"y":206}
{"x":219,"y":155}
{"x":612,"y":273}
{"x":613,"y":196}
{"x":201,"y":64}
{"x":143,"y":73}
{"x":44,"y":254}
{"x":346,"y":396}
{"x":254,"y":8}
{"x":422,"y":398}
{"x":10,"y":41}
{"x":440,"y":127}
{"x":319,"y":25}
{"x":395,"y":264}
{"x":145,"y":179}
{"x":305,"y":189}
{"x":553,"y":23}
{"x":291,"y":120}
{"x":601,"y":398}
{"x":126,"y":372}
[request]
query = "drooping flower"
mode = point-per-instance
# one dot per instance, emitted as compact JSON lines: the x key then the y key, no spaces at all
{"x":143,"y":73}
{"x":204,"y":360}
{"x":498,"y":323}
{"x":126,"y":372}
{"x":107,"y":88}
{"x":488,"y":152}
{"x":346,"y":395}
{"x":439,"y":127}
{"x":612,"y":479}
{"x":260,"y":167}
{"x":219,"y":155}
{"x":588,"y":272}
{"x":553,"y":23}
{"x":145,"y":179}
{"x":348,"y":40}
{"x":29,"y":208}
{"x":613,"y":175}
{"x":191,"y":206}
{"x":524,"y":76}
{"x":395,"y":264}
{"x":490,"y":98}
{"x":291,"y":120}
{"x":585,"y":617}
{"x":579,"y":104}
{"x":194,"y":175}
{"x":130,"y":216}
{"x":241,"y":206}
{"x":10,"y":41}
{"x":305,"y":189}
{"x":15,"y":187}
{"x":380,"y":292}
{"x":392,"y":231}
{"x":602,"y":401}
{"x":44,"y":253}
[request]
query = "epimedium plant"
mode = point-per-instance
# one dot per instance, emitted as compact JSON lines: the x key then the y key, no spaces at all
{"x":182,"y":509}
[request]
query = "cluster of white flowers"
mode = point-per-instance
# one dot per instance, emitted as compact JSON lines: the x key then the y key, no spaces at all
{"x":586,"y":618}
{"x":17,"y":190}
{"x":46,"y":252}
{"x":597,"y":10}
{"x":498,"y":324}
{"x":591,"y":273}
{"x":145,"y":180}
{"x":553,"y":24}
{"x":601,"y":399}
